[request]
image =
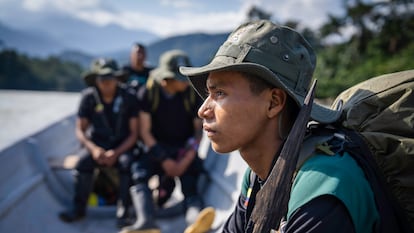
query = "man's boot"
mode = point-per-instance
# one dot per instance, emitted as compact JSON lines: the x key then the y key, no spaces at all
{"x":83,"y":186}
{"x":144,"y":207}
{"x":124,"y":202}
{"x":165,"y":190}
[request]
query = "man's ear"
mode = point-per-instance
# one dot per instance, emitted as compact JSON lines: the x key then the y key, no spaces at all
{"x":277,"y":102}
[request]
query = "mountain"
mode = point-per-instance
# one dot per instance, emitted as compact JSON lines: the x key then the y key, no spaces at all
{"x":28,"y":42}
{"x":80,"y":42}
{"x":200,"y":47}
{"x":83,"y":59}
{"x":48,"y":37}
{"x":94,"y":39}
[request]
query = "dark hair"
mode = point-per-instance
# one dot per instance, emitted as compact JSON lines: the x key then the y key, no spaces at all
{"x":140,"y":46}
{"x":257,"y":85}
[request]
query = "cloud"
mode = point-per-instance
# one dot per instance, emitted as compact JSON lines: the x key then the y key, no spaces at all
{"x":309,"y":13}
{"x":180,"y":4}
{"x":181,"y":20}
{"x":61,"y":5}
{"x":166,"y":25}
{"x":34,"y":5}
{"x":170,"y":17}
{"x":196,"y":16}
{"x":209,"y":22}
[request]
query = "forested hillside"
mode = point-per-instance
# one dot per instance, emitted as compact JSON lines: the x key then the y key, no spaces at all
{"x":383,"y":43}
{"x":22,"y":72}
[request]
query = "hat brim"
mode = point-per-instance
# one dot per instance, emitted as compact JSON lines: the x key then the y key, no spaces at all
{"x":90,"y":77}
{"x":198,"y":77}
{"x":161,"y":73}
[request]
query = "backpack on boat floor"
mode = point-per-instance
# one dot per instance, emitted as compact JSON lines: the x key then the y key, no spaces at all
{"x":378,"y":121}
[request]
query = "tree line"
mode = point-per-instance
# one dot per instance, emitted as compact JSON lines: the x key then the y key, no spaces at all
{"x":18,"y":71}
{"x":383,"y":42}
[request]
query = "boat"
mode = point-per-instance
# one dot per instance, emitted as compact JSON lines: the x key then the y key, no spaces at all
{"x":36,"y":179}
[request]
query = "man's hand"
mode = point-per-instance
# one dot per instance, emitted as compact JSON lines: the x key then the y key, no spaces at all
{"x":180,"y":165}
{"x":110,"y":158}
{"x":98,"y":155}
{"x":187,"y":154}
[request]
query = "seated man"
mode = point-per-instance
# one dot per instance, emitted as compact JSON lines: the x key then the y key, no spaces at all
{"x":254,"y":88}
{"x":107,"y":127}
{"x":172,"y":131}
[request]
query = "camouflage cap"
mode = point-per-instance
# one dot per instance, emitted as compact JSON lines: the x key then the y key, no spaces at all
{"x":105,"y":68}
{"x":168,"y":66}
{"x":278,"y":54}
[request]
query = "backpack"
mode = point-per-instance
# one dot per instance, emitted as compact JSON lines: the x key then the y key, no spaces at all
{"x":153,"y":89}
{"x":377,"y":125}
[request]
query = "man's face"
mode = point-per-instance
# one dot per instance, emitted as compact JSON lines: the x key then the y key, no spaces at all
{"x":177,"y":85}
{"x":107,"y":85}
{"x":137,"y":55}
{"x":233,"y":116}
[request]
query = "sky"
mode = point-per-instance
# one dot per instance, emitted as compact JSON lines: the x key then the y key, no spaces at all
{"x":170,"y":17}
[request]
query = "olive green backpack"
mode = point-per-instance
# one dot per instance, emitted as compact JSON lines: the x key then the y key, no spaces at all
{"x":378,"y":121}
{"x":153,"y":89}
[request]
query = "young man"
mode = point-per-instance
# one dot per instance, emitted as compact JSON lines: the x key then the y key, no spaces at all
{"x":172,"y":131}
{"x":137,"y":70}
{"x":252,"y":91}
{"x":110,"y":112}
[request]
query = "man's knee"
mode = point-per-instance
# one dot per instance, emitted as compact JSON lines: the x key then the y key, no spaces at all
{"x":140,"y":174}
{"x":86,"y":164}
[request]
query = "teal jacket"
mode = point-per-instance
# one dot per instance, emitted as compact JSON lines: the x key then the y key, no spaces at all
{"x":337,"y":175}
{"x":340,"y":176}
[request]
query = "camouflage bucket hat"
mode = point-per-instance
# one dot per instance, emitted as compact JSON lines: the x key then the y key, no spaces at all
{"x":278,"y":54}
{"x":168,"y":66}
{"x":105,"y":68}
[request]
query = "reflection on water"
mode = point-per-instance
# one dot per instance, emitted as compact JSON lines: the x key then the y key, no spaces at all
{"x":23,"y":113}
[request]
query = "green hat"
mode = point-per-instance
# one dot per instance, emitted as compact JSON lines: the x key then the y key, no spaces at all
{"x":278,"y":54}
{"x":105,"y":68}
{"x":168,"y":66}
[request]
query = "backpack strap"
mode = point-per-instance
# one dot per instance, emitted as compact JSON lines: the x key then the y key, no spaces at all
{"x":310,"y":145}
{"x":252,"y":179}
{"x":153,"y":93}
{"x":118,"y":103}
{"x":100,"y":108}
{"x":249,"y":203}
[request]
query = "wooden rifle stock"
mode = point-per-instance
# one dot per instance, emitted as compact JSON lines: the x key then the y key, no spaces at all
{"x":272,"y":200}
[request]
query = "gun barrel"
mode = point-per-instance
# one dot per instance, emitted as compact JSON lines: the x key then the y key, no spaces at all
{"x":272,"y":200}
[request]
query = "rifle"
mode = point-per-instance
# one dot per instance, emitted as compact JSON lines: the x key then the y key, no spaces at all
{"x":272,"y":200}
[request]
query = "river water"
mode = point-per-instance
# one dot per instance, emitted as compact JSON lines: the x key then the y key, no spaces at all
{"x":23,"y":113}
